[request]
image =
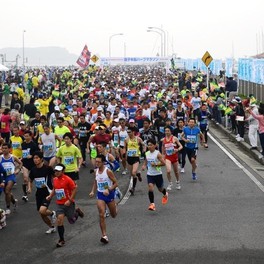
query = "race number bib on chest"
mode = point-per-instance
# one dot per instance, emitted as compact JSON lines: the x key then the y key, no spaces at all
{"x":102,"y":186}
{"x":25,"y":153}
{"x":191,"y":138}
{"x":131,"y":152}
{"x":47,"y":147}
{"x":60,"y":194}
{"x":40,"y":182}
{"x":68,"y":160}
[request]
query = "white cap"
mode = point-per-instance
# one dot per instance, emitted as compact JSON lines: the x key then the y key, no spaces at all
{"x":116,"y":120}
{"x":131,"y":121}
{"x":99,"y":108}
{"x":57,"y":108}
{"x":22,"y":122}
{"x":58,"y":168}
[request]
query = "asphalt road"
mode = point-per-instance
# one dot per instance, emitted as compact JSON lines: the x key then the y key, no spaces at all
{"x":218,"y":219}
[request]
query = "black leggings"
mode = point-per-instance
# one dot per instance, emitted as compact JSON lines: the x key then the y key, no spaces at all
{"x":182,"y":157}
{"x":241,"y":128}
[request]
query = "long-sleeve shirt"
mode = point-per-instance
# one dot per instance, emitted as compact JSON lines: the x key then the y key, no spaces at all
{"x":260,"y":118}
{"x":251,"y":119}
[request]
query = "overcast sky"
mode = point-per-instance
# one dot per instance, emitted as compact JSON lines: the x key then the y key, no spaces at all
{"x":193,"y":26}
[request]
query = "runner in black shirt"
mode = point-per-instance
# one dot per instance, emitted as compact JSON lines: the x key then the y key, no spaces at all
{"x":42,"y":174}
{"x":177,"y":133}
{"x":28,"y":148}
{"x":84,"y":134}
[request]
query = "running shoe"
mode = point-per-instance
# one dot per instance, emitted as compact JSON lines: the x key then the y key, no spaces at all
{"x":7,"y":211}
{"x":118,"y":170}
{"x":118,"y":193}
{"x":194,"y":176}
{"x":51,"y":230}
{"x":106,"y":213}
{"x":132,"y":191}
{"x":182,"y":170}
{"x":124,"y":172}
{"x":165,"y":198}
{"x":104,"y":239}
{"x":152,"y":207}
{"x":61,"y":243}
{"x":139,"y":176}
{"x":15,"y":204}
{"x":25,"y":198}
{"x":178,"y":185}
{"x":53,"y":217}
{"x":169,"y":188}
{"x":79,"y":212}
{"x":73,"y":219}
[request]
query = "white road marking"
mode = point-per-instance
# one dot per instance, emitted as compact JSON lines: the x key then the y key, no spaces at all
{"x":127,"y":195}
{"x":247,"y":172}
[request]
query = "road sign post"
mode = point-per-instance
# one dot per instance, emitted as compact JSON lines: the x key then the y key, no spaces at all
{"x":207,"y":59}
{"x":94,"y":58}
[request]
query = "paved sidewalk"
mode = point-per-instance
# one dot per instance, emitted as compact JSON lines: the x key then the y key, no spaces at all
{"x":244,"y":145}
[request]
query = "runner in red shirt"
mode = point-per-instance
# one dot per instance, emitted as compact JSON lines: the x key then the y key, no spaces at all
{"x":170,"y":148}
{"x":65,"y":190}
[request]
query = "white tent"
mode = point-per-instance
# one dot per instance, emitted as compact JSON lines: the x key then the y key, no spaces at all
{"x":3,"y":68}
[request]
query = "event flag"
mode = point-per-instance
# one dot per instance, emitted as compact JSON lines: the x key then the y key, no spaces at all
{"x":84,"y":59}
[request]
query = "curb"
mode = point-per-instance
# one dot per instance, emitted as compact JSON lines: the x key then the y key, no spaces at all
{"x":243,"y":145}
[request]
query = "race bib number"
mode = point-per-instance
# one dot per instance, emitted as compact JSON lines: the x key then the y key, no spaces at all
{"x":25,"y":153}
{"x":149,"y":162}
{"x":115,"y":138}
{"x":60,"y":194}
{"x":82,"y":134}
{"x":3,"y":125}
{"x":47,"y":147}
{"x":131,"y":152}
{"x":68,"y":160}
{"x":15,"y":145}
{"x":102,"y":186}
{"x":179,"y":136}
{"x":170,"y":151}
{"x":9,"y":169}
{"x":191,"y":138}
{"x":40,"y":182}
{"x":162,"y":130}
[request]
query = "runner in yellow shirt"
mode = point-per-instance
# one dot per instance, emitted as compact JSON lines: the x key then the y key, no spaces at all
{"x":60,"y":130}
{"x":16,"y":143}
{"x":70,"y":156}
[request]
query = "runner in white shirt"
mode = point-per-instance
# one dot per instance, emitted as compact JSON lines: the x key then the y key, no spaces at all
{"x":153,"y":162}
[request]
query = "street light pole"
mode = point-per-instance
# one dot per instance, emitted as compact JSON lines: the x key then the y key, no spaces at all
{"x":161,"y":40}
{"x":23,"y":62}
{"x":110,"y":38}
{"x":164,"y":36}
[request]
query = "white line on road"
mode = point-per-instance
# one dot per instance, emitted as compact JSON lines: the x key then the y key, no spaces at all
{"x":248,"y":173}
{"x":127,"y":195}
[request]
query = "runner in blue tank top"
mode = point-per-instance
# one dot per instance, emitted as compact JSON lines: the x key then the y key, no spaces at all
{"x":190,"y":136}
{"x":8,"y":162}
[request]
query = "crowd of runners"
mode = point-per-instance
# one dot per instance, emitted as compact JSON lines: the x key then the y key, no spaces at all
{"x":105,"y":120}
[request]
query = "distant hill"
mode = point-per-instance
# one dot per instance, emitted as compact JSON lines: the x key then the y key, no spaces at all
{"x":41,"y":56}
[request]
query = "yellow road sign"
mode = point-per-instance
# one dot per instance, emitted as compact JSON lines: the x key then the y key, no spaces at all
{"x":207,"y":58}
{"x":94,"y":58}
